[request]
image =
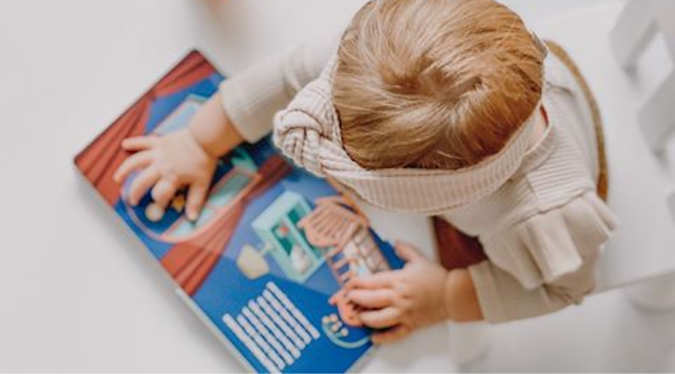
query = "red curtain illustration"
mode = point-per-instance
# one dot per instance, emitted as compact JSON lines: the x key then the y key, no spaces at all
{"x":100,"y":159}
{"x":191,"y":262}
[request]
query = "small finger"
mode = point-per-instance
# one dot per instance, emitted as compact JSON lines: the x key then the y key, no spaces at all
{"x":138,"y":143}
{"x":384,"y":279}
{"x":407,"y":251}
{"x":372,"y":299}
{"x":391,"y":335}
{"x":131,"y":164}
{"x":381,"y":318}
{"x":195,"y":200}
{"x":163,"y":192}
{"x":142,"y":184}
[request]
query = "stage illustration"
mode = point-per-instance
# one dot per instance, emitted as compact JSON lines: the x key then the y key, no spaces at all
{"x":268,"y":257}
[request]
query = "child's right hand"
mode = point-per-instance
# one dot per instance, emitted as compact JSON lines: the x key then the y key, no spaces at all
{"x":168,"y":163}
{"x":186,"y":158}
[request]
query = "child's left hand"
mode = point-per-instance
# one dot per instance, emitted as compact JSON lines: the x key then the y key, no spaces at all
{"x":402,"y":300}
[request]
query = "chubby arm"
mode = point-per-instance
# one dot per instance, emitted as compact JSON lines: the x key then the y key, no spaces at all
{"x":252,"y":98}
{"x":213,"y":129}
{"x":461,"y":297}
{"x":544,"y":263}
{"x":242,"y":110}
{"x":245,"y":105}
{"x":503,"y":298}
{"x":485,"y":291}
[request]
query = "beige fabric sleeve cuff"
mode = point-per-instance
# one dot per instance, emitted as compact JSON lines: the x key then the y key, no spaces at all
{"x":502,"y":298}
{"x":251,"y":98}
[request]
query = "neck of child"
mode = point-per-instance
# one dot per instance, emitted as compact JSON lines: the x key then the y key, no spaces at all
{"x":539,"y":128}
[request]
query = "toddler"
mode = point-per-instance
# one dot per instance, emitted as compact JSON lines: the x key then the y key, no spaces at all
{"x":448,"y":108}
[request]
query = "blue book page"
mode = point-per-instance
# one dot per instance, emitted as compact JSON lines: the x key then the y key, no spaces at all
{"x":267,"y":260}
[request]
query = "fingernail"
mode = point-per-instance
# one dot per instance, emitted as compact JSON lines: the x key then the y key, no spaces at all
{"x":191,"y":215}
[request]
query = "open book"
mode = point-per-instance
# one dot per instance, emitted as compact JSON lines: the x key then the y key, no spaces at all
{"x":265,"y":263}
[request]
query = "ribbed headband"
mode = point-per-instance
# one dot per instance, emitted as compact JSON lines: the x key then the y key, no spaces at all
{"x":308,"y":132}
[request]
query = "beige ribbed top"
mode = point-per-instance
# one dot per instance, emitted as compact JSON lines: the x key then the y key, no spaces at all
{"x":541,"y":229}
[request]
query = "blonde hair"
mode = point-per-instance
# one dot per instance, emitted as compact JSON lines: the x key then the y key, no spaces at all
{"x":434,"y":83}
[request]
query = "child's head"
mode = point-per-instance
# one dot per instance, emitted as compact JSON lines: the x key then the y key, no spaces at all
{"x":434,"y":83}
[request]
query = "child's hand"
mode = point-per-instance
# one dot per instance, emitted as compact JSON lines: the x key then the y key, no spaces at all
{"x":168,"y":163}
{"x":402,"y":300}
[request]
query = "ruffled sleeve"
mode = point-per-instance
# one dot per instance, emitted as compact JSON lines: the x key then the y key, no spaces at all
{"x":543,"y":263}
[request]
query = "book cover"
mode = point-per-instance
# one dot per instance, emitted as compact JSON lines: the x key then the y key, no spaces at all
{"x":266,"y":261}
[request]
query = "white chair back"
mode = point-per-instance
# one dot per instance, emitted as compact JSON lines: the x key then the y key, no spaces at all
{"x":639,"y":24}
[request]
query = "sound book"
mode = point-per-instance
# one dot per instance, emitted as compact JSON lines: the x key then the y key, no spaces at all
{"x":266,"y":262}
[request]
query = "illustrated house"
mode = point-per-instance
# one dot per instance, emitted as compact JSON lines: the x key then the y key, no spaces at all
{"x":346,"y":232}
{"x":339,"y":225}
{"x":278,"y":227}
{"x":301,"y":239}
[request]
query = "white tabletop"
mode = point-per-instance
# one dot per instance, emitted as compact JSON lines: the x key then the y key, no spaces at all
{"x":79,"y":292}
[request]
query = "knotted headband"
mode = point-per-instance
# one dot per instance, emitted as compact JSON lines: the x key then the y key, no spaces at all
{"x":308,"y":132}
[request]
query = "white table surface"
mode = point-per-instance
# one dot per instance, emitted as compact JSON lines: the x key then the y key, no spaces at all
{"x":79,"y":293}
